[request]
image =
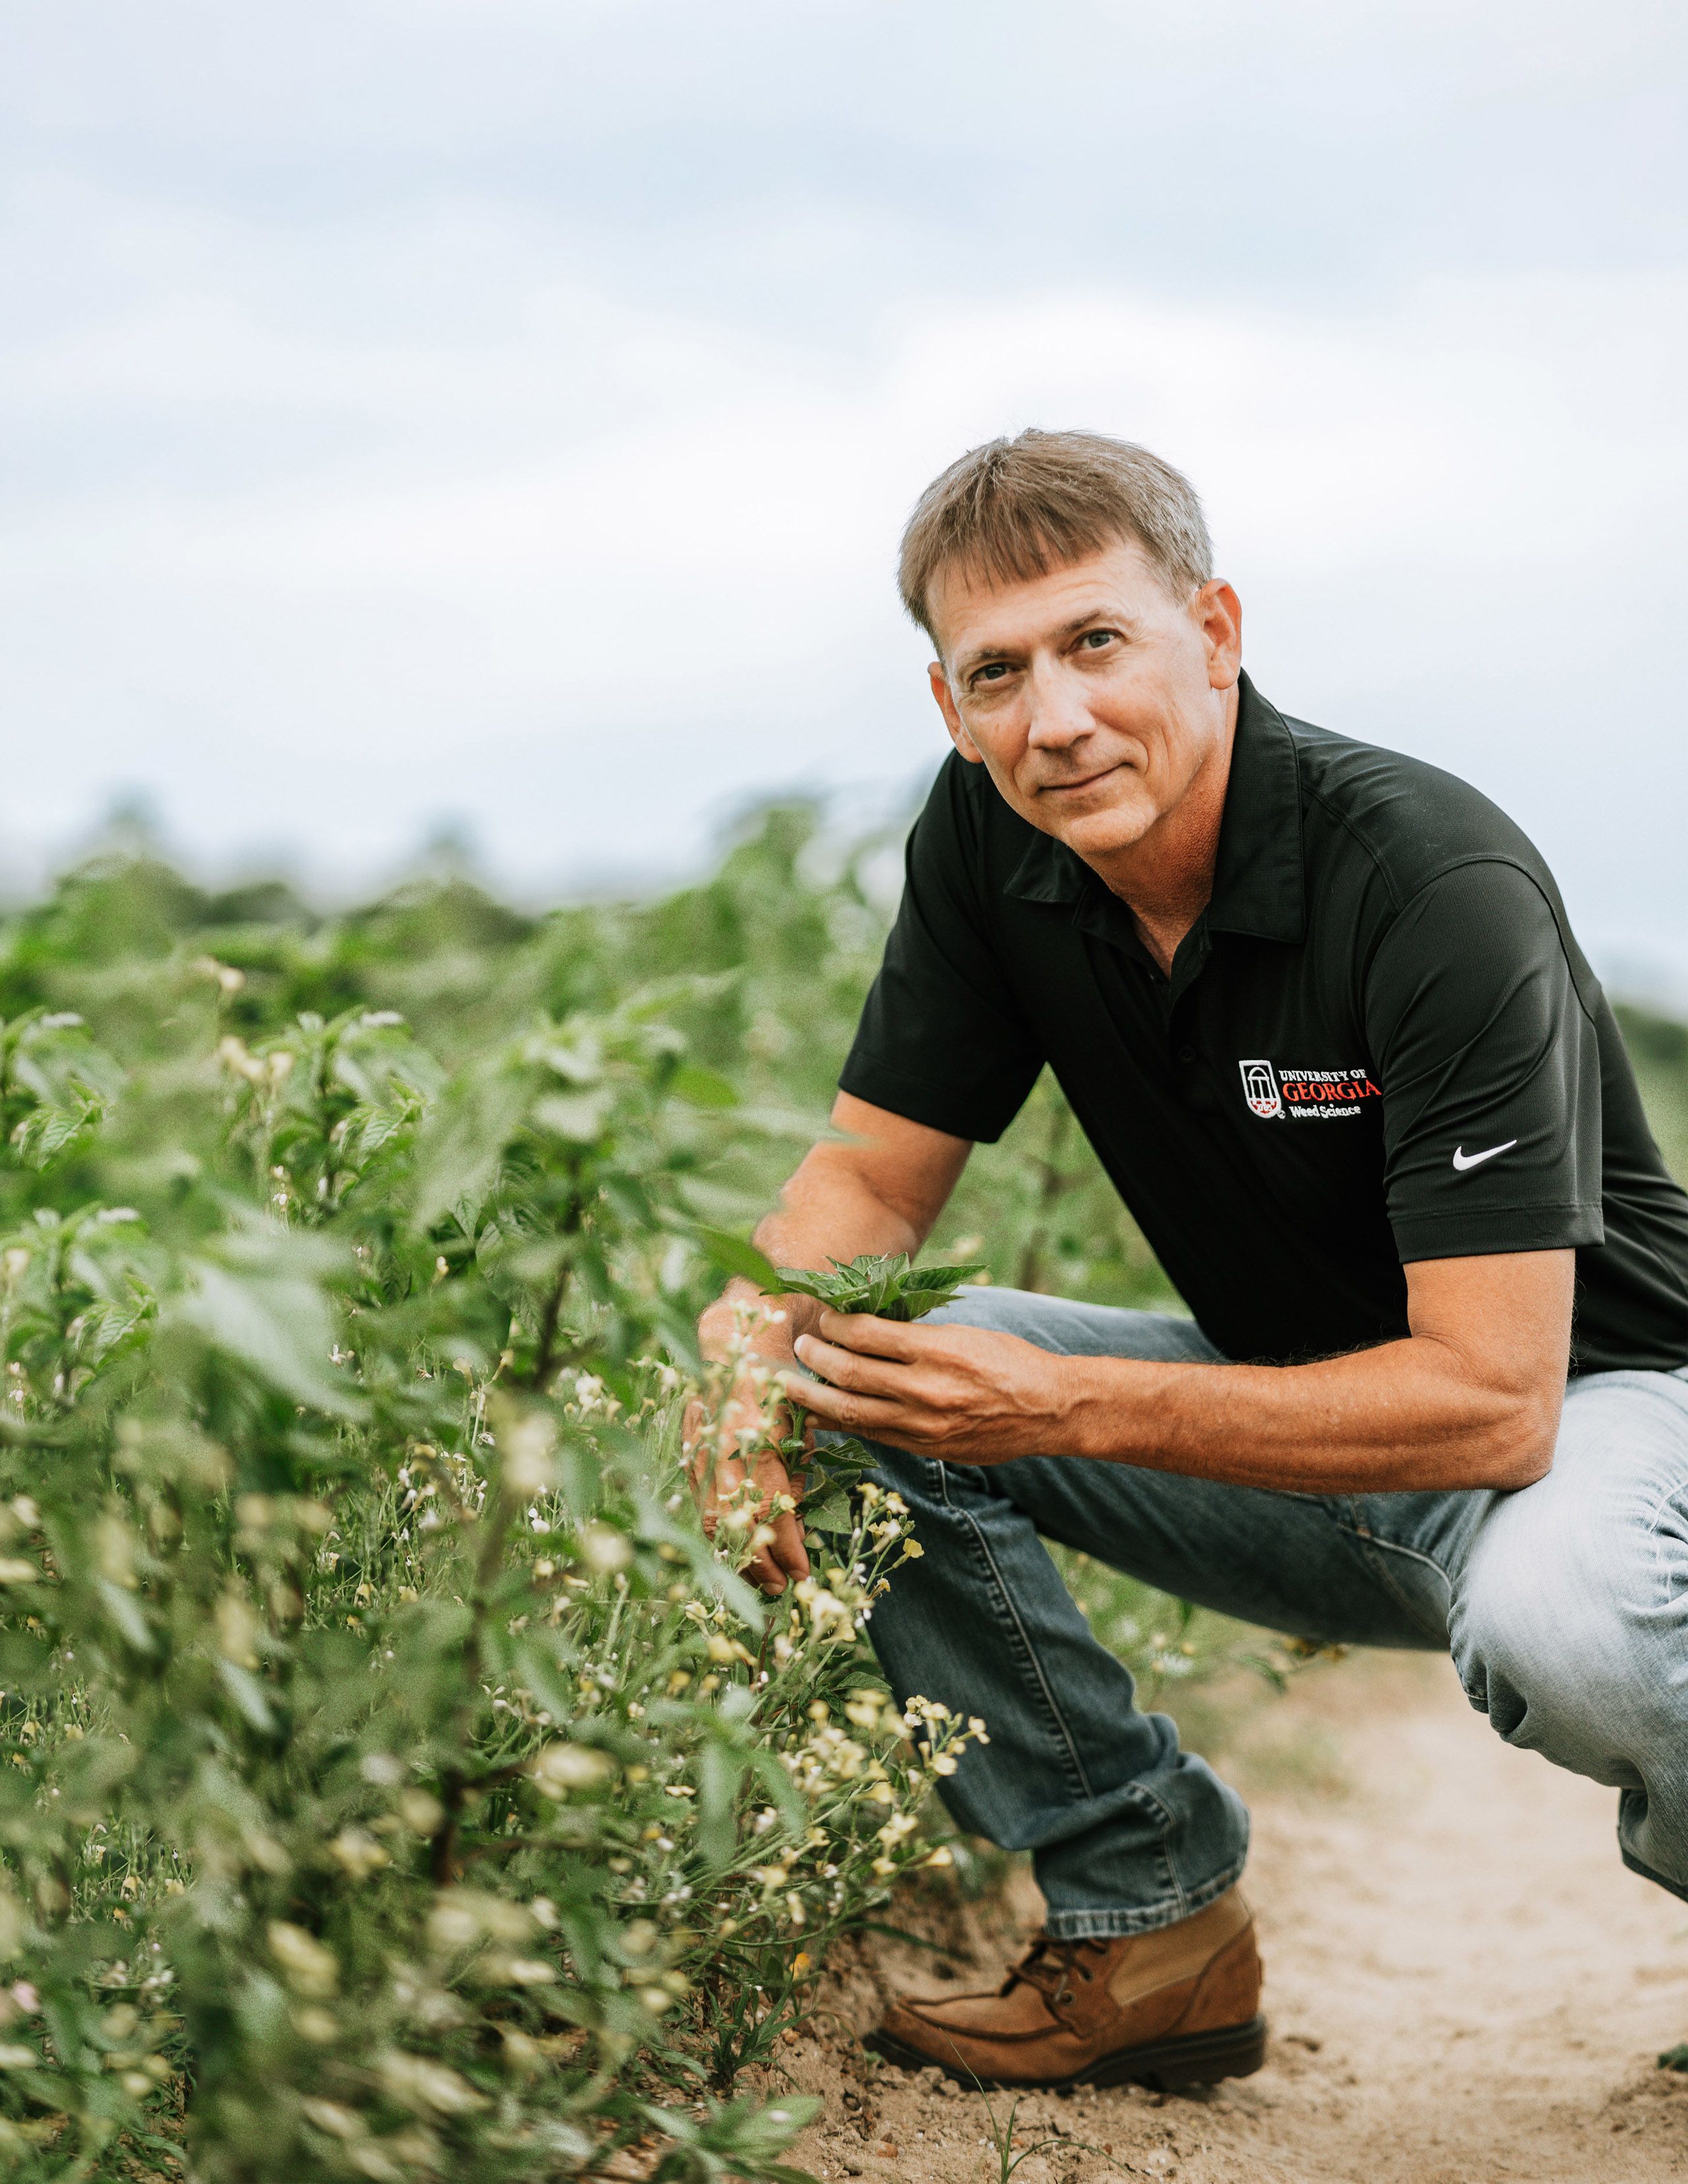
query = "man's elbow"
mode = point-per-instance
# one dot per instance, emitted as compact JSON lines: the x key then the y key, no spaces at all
{"x":1519,"y":1444}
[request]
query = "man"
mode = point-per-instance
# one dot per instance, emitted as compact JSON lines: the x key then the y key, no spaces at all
{"x":1319,"y":1010}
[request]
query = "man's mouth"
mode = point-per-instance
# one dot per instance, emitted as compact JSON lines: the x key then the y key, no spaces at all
{"x":1075,"y":788}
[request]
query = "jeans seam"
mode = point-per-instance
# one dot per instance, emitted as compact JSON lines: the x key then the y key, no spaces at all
{"x":1376,"y":1551}
{"x":1676,"y":1497}
{"x":1648,"y":1872}
{"x":1019,"y":1629}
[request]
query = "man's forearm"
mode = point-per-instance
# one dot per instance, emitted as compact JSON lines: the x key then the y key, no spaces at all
{"x":1471,"y":1398}
{"x":1404,"y":1416}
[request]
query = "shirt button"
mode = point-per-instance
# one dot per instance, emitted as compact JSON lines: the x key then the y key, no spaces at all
{"x":1186,"y":1053}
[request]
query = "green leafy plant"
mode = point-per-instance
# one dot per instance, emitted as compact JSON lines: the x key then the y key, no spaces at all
{"x":888,"y":1287}
{"x":394,"y":1782}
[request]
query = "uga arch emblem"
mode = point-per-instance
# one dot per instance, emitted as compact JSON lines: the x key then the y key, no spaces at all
{"x":1260,"y":1089}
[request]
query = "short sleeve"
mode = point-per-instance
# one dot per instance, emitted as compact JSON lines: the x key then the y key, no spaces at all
{"x":1490,"y":1069}
{"x":942,"y":1040}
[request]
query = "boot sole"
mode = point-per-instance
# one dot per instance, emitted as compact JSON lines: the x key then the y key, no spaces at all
{"x":1196,"y":2059}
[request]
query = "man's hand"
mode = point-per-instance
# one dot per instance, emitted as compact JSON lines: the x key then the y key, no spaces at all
{"x":962,"y":1394}
{"x":752,"y":1334}
{"x":876,"y":1185}
{"x":778,"y":1552}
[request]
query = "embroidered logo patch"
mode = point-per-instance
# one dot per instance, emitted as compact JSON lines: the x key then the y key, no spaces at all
{"x":1306,"y":1095}
{"x":1260,"y":1089}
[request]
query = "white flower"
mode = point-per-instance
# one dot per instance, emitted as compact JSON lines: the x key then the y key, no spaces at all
{"x":415,"y":2083}
{"x":560,"y":1768}
{"x":360,"y":1853}
{"x":604,"y":1549}
{"x":308,"y":1967}
{"x":529,"y":1468}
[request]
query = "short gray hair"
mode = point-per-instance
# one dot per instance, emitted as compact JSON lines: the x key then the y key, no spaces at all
{"x":1013,"y":510}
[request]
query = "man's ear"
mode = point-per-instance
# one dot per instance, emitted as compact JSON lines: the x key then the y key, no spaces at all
{"x":1218,"y":614}
{"x":952,"y":719}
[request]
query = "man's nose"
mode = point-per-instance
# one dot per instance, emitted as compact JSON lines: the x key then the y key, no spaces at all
{"x":1059,"y":713}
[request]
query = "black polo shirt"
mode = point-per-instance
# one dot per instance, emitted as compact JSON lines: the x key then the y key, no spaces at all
{"x":1379,"y":1043}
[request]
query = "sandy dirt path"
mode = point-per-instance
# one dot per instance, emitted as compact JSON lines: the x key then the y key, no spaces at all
{"x":1464,"y":1985}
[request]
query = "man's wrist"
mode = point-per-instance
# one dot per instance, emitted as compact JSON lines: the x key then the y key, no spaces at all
{"x":1104,"y":1416}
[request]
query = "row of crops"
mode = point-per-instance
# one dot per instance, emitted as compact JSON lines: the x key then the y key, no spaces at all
{"x":394,"y":1784}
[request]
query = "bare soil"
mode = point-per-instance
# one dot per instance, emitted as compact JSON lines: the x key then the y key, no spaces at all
{"x":1463,"y":1983}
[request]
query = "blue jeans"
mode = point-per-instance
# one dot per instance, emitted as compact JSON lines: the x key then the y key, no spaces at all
{"x":1564,"y":1605}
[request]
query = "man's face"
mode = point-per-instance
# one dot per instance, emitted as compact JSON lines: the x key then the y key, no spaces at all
{"x":1093,"y":696}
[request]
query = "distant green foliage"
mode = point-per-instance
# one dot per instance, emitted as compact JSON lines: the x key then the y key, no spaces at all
{"x":888,"y":1287}
{"x":1659,"y":1047}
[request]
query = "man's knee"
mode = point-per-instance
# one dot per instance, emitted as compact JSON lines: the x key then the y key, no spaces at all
{"x":1561,"y":1637}
{"x":1002,"y":1311}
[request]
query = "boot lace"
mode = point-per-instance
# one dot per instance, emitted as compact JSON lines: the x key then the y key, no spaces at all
{"x":1051,"y":1966}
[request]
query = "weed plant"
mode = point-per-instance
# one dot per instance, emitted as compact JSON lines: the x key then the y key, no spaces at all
{"x":888,"y":1287}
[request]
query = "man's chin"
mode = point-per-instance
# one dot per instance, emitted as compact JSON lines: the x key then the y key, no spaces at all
{"x":1096,"y":834}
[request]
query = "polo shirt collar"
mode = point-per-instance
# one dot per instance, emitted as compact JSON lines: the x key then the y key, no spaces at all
{"x":1258,"y":886}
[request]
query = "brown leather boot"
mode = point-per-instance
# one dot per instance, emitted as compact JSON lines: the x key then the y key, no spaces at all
{"x":1177,"y":2007}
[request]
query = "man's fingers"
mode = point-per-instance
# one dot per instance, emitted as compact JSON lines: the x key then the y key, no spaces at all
{"x":786,"y":1550}
{"x":846,"y":1368}
{"x":764,"y":1572}
{"x":872,"y":1337}
{"x":841,"y":1407}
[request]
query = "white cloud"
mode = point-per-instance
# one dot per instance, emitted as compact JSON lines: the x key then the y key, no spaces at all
{"x":358,"y":479}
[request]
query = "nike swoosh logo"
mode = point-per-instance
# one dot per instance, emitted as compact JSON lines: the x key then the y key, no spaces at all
{"x":1463,"y":1160}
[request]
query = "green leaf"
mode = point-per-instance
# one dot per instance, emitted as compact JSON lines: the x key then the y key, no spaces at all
{"x":120,"y":1606}
{"x":885,"y":1286}
{"x":719,"y":1772}
{"x":833,"y":1514}
{"x":279,"y":1325}
{"x":247,"y":1694}
{"x":735,"y":1256}
{"x":702,"y":1088}
{"x":579,"y":1118}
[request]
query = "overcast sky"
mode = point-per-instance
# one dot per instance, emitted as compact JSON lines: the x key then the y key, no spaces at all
{"x":502,"y":411}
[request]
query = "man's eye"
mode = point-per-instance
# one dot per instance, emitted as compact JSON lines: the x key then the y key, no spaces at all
{"x":1096,"y":638}
{"x":993,"y":672}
